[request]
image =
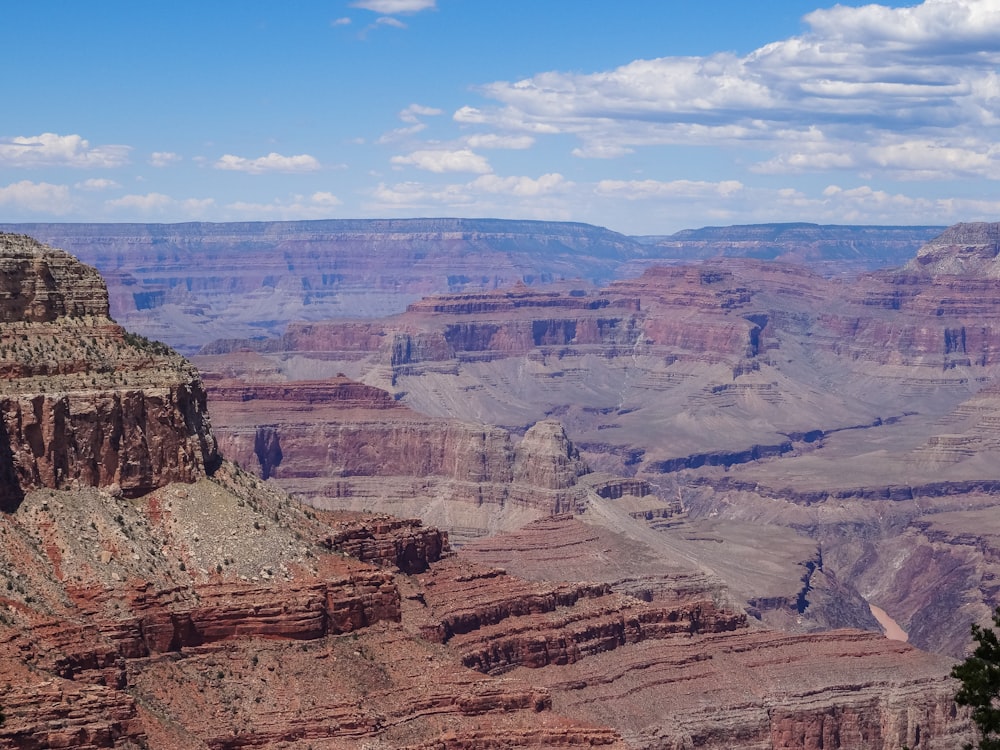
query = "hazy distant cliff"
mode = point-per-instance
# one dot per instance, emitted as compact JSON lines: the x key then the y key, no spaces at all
{"x":188,"y":284}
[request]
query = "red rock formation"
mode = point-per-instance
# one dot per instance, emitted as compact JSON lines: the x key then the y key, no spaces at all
{"x":84,"y":402}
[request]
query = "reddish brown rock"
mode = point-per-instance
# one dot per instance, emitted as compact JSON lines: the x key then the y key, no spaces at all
{"x":84,"y":402}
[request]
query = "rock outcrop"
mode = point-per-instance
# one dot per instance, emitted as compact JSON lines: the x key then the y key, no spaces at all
{"x":970,"y":250}
{"x":84,"y":402}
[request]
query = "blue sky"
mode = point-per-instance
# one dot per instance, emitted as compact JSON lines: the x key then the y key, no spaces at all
{"x":645,"y":116}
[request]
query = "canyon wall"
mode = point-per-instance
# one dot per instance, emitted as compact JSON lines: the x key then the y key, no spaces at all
{"x":83,"y":401}
{"x":189,"y":284}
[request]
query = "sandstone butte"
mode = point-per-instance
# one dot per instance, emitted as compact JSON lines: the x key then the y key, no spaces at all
{"x":154,"y":595}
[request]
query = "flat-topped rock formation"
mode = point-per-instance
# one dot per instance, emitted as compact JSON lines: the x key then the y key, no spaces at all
{"x":969,"y":250}
{"x":83,"y":401}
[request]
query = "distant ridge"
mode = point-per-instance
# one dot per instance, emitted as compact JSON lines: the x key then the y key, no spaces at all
{"x":860,"y":247}
{"x":191,"y":283}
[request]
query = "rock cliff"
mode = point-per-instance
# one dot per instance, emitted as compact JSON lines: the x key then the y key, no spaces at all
{"x":340,"y":444}
{"x":84,"y":402}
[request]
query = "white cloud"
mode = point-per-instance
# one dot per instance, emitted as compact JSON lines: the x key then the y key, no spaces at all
{"x":343,"y":21}
{"x":159,"y":204}
{"x":395,"y":6}
{"x":549,"y":197}
{"x":655,"y":189}
{"x":390,"y":21}
{"x":271,"y":163}
{"x":315,"y":206}
{"x":602,"y":151}
{"x":163,"y":158}
{"x":53,"y":150}
{"x":935,"y":24}
{"x":411,"y":115}
{"x":519,"y":186}
{"x":143,"y":203}
{"x":492,"y":140}
{"x":469,"y":115}
{"x":414,"y":111}
{"x":434,"y":160}
{"x":37,"y":197}
{"x":832,"y":98}
{"x":97,"y":184}
{"x":400,"y":134}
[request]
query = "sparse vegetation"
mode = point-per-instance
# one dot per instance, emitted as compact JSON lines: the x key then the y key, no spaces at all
{"x":980,"y":690}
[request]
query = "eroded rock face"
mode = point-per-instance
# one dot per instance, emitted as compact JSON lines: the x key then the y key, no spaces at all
{"x":39,"y":284}
{"x":962,"y":250}
{"x":83,"y":402}
{"x":340,"y":444}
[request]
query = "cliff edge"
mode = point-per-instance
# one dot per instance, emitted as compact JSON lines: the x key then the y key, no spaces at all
{"x":83,"y":402}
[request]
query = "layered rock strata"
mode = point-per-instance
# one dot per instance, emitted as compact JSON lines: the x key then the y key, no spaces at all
{"x":221,"y":614}
{"x":340,"y":444}
{"x":188,"y":284}
{"x":83,"y":401}
{"x":727,"y":389}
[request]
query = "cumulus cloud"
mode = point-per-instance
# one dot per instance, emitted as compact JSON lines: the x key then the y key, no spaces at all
{"x":827,"y":99}
{"x":53,"y":150}
{"x":37,"y":197}
{"x":390,"y":7}
{"x":492,"y":140}
{"x":158,"y":204}
{"x":163,"y":158}
{"x":442,"y":160}
{"x":933,"y":26}
{"x":271,"y":163}
{"x":316,"y":206}
{"x":96,"y":183}
{"x":390,"y":21}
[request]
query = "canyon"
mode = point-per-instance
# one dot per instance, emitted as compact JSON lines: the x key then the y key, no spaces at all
{"x":680,"y":489}
{"x":820,"y":445}
{"x":189,"y":284}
